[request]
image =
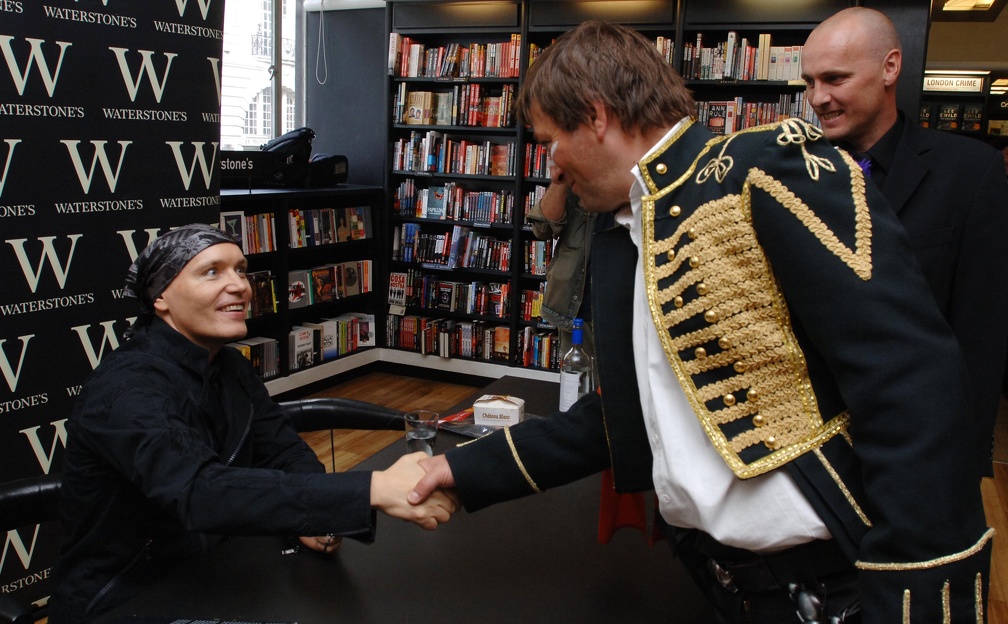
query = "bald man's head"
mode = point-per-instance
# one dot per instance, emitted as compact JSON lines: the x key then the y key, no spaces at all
{"x":850,"y":64}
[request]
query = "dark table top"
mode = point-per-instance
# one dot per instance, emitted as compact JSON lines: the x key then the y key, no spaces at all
{"x":532,"y":560}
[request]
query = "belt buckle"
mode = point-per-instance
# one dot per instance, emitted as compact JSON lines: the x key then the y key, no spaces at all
{"x":722,"y":576}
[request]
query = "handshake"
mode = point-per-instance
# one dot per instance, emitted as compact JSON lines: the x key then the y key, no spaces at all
{"x":417,"y":488}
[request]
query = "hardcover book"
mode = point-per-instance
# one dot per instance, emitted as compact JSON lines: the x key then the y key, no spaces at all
{"x":972,"y":117}
{"x":500,"y":160}
{"x":414,"y":107}
{"x":323,"y":283}
{"x":351,"y":278}
{"x":948,"y":115}
{"x":263,"y":294}
{"x":365,"y":329}
{"x":397,"y":288}
{"x":436,"y":202}
{"x":302,"y":347}
{"x":298,"y":289}
{"x":233,"y":223}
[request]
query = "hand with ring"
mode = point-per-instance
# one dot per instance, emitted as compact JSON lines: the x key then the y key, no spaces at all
{"x":323,"y":543}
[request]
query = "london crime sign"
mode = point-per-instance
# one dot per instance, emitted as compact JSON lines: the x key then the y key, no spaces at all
{"x":963,"y":83}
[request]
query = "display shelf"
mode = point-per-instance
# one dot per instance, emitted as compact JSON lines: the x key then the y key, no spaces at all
{"x":335,"y":233}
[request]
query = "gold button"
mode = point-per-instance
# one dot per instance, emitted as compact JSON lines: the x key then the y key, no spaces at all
{"x":771,"y":443}
{"x":724,"y":343}
{"x":739,"y":367}
{"x":752,"y":396}
{"x":729,"y":399}
{"x":661,"y":169}
{"x":701,"y":289}
{"x":675,"y":211}
{"x":671,"y":254}
{"x":694,"y":261}
{"x":700,"y":353}
{"x":691,"y":233}
{"x":678,"y":302}
{"x":758,"y":420}
{"x":710,"y":316}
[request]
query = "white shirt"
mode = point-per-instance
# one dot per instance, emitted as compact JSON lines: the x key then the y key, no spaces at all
{"x":695,"y":487}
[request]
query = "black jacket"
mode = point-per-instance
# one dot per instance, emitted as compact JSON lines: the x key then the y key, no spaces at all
{"x":166,"y":455}
{"x":950,"y":193}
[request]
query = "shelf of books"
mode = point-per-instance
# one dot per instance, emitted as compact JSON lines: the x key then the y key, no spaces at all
{"x":743,"y":60}
{"x":744,"y":79}
{"x":955,"y":101}
{"x":313,"y":260}
{"x":455,"y":292}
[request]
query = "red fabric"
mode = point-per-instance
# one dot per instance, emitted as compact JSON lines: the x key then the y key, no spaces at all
{"x":619,"y":510}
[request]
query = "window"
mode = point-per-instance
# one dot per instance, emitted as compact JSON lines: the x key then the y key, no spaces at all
{"x":254,"y":67}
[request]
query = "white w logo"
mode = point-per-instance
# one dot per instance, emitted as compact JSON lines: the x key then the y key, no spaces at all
{"x":10,"y":156}
{"x":186,"y":173}
{"x":100,"y":156}
{"x":60,"y":437}
{"x":204,"y":7}
{"x":23,"y":553}
{"x":131,"y":248}
{"x":21,"y":78}
{"x":10,"y":375}
{"x":48,"y":251}
{"x":108,"y":338}
{"x":215,"y":68}
{"x":147,"y":66}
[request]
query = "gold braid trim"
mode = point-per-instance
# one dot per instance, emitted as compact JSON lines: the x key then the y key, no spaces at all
{"x":906,"y":606}
{"x":840,"y":484}
{"x":860,"y":260}
{"x":946,"y":604}
{"x":978,"y":598}
{"x":521,"y":466}
{"x":657,"y":153}
{"x":798,"y":132}
{"x":927,"y":565}
{"x":728,"y":277}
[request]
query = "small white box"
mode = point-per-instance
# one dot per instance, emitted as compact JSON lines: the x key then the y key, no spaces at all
{"x":497,"y":410}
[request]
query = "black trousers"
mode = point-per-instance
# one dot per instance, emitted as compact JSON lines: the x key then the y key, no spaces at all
{"x":810,"y":583}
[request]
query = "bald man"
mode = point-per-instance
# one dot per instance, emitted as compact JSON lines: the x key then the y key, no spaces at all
{"x":949,"y":192}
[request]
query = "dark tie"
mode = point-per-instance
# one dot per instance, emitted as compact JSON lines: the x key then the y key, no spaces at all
{"x":865,"y":162}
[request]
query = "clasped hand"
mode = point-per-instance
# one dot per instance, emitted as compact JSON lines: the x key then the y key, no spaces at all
{"x":391,"y":487}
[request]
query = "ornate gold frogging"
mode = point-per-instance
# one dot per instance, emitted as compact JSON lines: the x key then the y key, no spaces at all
{"x":715,"y":247}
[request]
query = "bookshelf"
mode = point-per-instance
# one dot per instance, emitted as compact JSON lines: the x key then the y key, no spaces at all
{"x":743,"y":64}
{"x":956,"y":101}
{"x":322,"y":247}
{"x":457,"y":259}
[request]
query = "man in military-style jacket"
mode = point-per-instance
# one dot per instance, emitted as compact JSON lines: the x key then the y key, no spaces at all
{"x":771,"y":360}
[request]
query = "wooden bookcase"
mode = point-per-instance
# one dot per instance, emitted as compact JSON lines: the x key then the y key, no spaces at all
{"x":276,"y":206}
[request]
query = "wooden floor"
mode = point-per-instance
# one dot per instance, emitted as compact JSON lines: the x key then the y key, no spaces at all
{"x":406,"y":393}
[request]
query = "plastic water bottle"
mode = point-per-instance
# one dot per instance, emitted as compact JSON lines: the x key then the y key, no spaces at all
{"x":576,"y":376}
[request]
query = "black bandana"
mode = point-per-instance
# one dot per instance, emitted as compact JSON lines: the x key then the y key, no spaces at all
{"x":161,"y":261}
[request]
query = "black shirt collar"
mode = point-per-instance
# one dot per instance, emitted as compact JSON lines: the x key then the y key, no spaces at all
{"x":884,"y":150}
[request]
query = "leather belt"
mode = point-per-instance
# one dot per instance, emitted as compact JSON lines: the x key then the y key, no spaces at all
{"x":737,"y":569}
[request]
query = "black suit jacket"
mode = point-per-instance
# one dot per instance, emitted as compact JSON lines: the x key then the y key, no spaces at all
{"x":951,"y":195}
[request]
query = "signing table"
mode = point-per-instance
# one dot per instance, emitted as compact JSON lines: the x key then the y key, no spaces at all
{"x":532,"y":560}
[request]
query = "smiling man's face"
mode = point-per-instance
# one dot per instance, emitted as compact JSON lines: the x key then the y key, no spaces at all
{"x":846,"y":80}
{"x":206,"y":301}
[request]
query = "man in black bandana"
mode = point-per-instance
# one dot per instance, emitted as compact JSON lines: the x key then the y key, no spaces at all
{"x":174,"y":443}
